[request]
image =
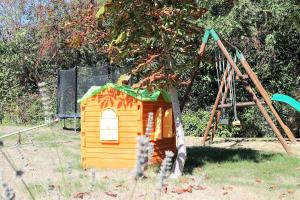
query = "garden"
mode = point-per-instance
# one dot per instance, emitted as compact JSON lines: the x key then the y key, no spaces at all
{"x":151,"y":99}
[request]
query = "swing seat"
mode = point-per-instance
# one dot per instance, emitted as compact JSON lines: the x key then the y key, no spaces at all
{"x":236,"y":123}
{"x":224,"y":122}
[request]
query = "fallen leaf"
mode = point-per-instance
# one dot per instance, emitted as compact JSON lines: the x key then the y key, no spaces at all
{"x":189,"y":189}
{"x":164,"y":189}
{"x":178,"y":190}
{"x":141,"y":195}
{"x":51,"y":187}
{"x":282,"y":196}
{"x":291,"y":191}
{"x":258,"y":180}
{"x":109,"y":193}
{"x":105,"y":177}
{"x":206,"y":177}
{"x":298,"y":168}
{"x":199,"y":187}
{"x":225,"y":193}
{"x":119,"y":186}
{"x":80,"y":195}
{"x":227,"y":188}
{"x":184,"y":180}
{"x":273,"y":187}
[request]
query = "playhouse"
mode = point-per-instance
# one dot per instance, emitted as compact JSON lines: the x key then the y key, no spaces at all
{"x":113,"y":116}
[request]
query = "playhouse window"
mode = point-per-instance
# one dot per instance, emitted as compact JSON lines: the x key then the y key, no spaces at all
{"x":109,"y":126}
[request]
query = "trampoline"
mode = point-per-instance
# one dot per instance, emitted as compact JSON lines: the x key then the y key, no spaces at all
{"x":73,"y":83}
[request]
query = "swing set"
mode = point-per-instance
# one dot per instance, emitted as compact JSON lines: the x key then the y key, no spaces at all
{"x":227,"y":74}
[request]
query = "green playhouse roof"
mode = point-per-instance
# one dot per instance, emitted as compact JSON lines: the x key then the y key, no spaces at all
{"x":140,"y":94}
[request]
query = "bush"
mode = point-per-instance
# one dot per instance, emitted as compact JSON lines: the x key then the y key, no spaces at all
{"x":195,"y":124}
{"x":27,"y":110}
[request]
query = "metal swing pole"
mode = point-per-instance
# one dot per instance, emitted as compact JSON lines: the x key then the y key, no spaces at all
{"x":248,"y":88}
{"x":266,"y":97}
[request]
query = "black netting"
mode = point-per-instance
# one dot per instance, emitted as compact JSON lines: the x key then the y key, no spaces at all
{"x":91,"y":76}
{"x":75,"y":82}
{"x":66,"y":92}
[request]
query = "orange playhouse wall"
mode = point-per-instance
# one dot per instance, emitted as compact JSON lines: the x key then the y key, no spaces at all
{"x":121,"y":154}
{"x":132,"y":119}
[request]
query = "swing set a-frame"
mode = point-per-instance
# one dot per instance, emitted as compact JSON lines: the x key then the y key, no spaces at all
{"x":232,"y":70}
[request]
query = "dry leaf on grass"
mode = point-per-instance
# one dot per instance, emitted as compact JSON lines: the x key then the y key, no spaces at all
{"x":273,"y":187}
{"x":184,"y":180}
{"x":51,"y":187}
{"x":199,"y":187}
{"x":164,"y":189}
{"x":281,"y":196}
{"x":189,"y":189}
{"x":291,"y":191}
{"x":225,"y":193}
{"x":258,"y":180}
{"x":80,"y":195}
{"x":206,"y":177}
{"x":109,"y":193}
{"x":227,"y":188}
{"x":105,"y":177}
{"x":141,"y":195}
{"x":178,"y":190}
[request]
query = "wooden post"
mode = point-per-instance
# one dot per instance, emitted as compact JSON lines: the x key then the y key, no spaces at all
{"x":240,"y":105}
{"x":253,"y":96}
{"x":214,"y":107}
{"x":226,"y":92}
{"x":218,"y":116}
{"x":267,"y":99}
{"x":19,"y":139}
{"x":215,"y":126}
{"x":202,"y":50}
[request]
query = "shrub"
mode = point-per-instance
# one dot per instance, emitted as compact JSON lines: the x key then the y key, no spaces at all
{"x":195,"y":123}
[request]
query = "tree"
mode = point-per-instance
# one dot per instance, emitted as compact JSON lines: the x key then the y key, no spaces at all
{"x":160,"y":41}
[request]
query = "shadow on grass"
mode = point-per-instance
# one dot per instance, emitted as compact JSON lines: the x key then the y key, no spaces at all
{"x":200,"y":156}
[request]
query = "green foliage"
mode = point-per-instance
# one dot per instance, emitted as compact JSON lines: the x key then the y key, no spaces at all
{"x":195,"y":122}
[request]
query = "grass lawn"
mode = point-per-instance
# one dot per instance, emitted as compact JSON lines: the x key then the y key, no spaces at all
{"x":54,"y":171}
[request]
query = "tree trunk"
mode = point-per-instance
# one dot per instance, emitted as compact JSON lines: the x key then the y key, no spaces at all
{"x":197,"y":70}
{"x":188,"y":90}
{"x":180,"y":144}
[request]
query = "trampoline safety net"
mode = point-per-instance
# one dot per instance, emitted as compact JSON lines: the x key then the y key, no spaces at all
{"x":74,"y":83}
